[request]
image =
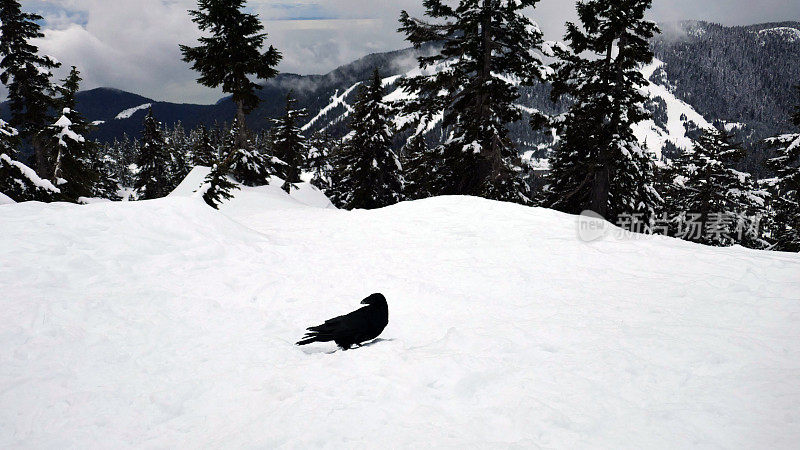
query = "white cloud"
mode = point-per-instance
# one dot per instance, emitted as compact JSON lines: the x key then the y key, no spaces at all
{"x":133,"y":44}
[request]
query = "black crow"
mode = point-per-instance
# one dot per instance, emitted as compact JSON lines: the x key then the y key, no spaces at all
{"x":351,"y":329}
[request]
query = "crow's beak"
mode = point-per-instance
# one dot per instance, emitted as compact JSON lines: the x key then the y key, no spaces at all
{"x":365,"y":302}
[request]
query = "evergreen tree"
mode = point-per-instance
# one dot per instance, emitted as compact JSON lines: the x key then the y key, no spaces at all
{"x":104,"y":164}
{"x":786,"y":203}
{"x":178,"y":149}
{"x":289,"y":145}
{"x":75,"y":168}
{"x":220,"y":186}
{"x":322,"y":146}
{"x":27,"y":77}
{"x":488,"y":49}
{"x":370,"y":174}
{"x":203,"y":151}
{"x":18,"y":181}
{"x":599,"y":164}
{"x":232,"y":54}
{"x":73,"y":171}
{"x":710,"y":202}
{"x":153,"y":178}
{"x":418,"y":165}
{"x":248,"y":164}
{"x":9,"y":139}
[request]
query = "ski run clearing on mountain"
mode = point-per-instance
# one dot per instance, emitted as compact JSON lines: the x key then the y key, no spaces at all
{"x":166,"y":324}
{"x":128,"y":113}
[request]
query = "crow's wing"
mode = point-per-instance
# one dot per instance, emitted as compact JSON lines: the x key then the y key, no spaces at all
{"x":339,"y":327}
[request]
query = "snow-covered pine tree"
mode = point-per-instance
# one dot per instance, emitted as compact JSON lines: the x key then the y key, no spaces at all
{"x":27,"y":75}
{"x":124,"y":152}
{"x":248,"y":164}
{"x":711,"y":202}
{"x":76,"y":164}
{"x":203,"y":151}
{"x":599,"y":164}
{"x":289,"y":145}
{"x":488,"y":48}
{"x":370,"y":173}
{"x":73,"y":170}
{"x":786,"y":202}
{"x":220,"y":186}
{"x":320,"y":160}
{"x":18,"y":181}
{"x":152,"y":180}
{"x":418,"y":168}
{"x":177,"y":145}
{"x":104,"y":164}
{"x":232,"y":54}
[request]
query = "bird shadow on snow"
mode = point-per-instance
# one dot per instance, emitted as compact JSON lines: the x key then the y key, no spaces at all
{"x":317,"y":350}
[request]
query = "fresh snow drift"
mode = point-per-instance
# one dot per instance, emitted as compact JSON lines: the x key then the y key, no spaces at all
{"x":166,"y":324}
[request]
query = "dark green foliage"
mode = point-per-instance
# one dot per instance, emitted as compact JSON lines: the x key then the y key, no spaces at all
{"x":417,"y":168}
{"x":203,"y":152}
{"x":599,"y":164}
{"x":75,"y":158}
{"x":786,"y":202}
{"x":153,"y":161}
{"x":289,"y":145}
{"x":710,"y":202}
{"x":220,"y":186}
{"x":322,"y":147}
{"x":248,"y":164}
{"x":232,"y":54}
{"x":73,"y":168}
{"x":484,"y":44}
{"x":179,"y":150}
{"x":27,"y":76}
{"x":369,"y":174}
{"x":18,"y":181}
{"x":104,"y":164}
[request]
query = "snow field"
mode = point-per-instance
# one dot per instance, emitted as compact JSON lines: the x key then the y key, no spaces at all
{"x":167,"y":324}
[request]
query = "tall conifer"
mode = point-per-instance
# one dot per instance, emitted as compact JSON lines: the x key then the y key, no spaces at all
{"x":599,"y":164}
{"x":488,"y":48}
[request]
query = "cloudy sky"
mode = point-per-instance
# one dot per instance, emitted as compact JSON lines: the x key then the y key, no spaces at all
{"x":133,"y":44}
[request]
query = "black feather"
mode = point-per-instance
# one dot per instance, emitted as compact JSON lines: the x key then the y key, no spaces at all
{"x":359,"y":326}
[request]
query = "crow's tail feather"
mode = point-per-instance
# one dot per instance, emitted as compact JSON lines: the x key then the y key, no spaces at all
{"x":317,"y":334}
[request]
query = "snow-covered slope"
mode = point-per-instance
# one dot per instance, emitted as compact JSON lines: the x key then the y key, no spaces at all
{"x":671,"y":124}
{"x":166,"y":324}
{"x":680,"y":117}
{"x":128,"y":113}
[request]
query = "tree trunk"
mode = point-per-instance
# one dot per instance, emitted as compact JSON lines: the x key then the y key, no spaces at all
{"x":487,"y":167}
{"x":240,"y":117}
{"x":43,"y":168}
{"x":600,"y":189}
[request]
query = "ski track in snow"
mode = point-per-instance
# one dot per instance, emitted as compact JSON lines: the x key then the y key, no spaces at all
{"x":167,"y":324}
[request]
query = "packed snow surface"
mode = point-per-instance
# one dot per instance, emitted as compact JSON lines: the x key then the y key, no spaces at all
{"x":167,"y":324}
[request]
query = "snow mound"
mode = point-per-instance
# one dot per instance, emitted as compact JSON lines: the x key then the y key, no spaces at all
{"x":260,"y":198}
{"x":165,"y":323}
